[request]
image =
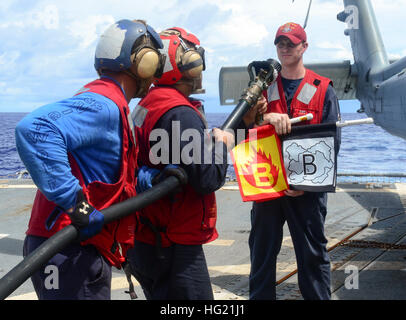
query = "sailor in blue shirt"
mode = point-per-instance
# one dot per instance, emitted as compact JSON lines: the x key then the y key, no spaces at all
{"x":90,"y":128}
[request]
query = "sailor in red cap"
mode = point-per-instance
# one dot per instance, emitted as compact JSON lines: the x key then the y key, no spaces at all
{"x":296,"y":92}
{"x":291,"y":43}
{"x":293,"y":31}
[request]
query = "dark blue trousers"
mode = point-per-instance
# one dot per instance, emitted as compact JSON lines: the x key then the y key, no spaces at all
{"x":181,"y":274}
{"x":75,"y":273}
{"x":305,"y":216}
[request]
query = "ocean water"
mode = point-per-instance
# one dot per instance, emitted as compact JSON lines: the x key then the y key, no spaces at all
{"x":10,"y":162}
{"x":364,"y":148}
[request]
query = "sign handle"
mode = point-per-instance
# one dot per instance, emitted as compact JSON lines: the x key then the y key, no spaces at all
{"x":354,"y":122}
{"x":306,"y":117}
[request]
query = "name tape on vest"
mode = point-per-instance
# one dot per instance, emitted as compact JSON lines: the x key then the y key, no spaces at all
{"x":273,"y":92}
{"x":307,"y":93}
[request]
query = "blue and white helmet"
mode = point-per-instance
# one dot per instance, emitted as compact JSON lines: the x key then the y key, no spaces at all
{"x":130,"y":45}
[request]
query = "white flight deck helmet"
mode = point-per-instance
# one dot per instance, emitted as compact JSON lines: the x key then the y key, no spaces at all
{"x":131,"y":47}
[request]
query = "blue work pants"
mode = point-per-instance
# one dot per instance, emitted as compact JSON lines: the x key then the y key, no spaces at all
{"x":75,"y":273}
{"x":180,"y":274}
{"x":305,"y":216}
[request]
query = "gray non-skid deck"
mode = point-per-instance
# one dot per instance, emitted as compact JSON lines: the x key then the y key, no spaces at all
{"x":368,"y":269}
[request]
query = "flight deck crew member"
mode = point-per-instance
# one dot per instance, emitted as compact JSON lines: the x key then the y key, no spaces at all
{"x":81,"y":154}
{"x":168,"y":258}
{"x":297,"y":91}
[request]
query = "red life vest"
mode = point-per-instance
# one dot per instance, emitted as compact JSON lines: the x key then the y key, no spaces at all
{"x":188,"y":218}
{"x":308,"y":98}
{"x":116,"y":237}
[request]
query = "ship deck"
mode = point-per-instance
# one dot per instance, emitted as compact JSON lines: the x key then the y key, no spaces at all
{"x":365,"y":227}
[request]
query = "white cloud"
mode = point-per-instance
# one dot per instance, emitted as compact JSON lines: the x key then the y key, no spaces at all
{"x":47,"y":47}
{"x":41,"y":17}
{"x":336,"y":51}
{"x":8,"y":62}
{"x":88,"y":31}
{"x":48,"y":17}
{"x":9,"y":57}
{"x":396,"y":56}
{"x":238,"y":31}
{"x":240,"y":27}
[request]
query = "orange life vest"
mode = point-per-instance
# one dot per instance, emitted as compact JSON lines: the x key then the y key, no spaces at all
{"x":308,"y":98}
{"x":189,"y":217}
{"x":116,"y":237}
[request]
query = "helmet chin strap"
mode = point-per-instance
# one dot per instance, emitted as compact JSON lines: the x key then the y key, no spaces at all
{"x":199,"y":91}
{"x":195,"y":84}
{"x":141,"y":84}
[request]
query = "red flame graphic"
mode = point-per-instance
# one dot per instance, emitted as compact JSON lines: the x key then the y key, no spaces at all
{"x":247,"y":171}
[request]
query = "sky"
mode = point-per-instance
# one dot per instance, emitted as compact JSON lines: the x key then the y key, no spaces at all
{"x":47,"y":47}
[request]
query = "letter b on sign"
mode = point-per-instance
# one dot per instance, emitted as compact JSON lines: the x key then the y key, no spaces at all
{"x":309,"y":167}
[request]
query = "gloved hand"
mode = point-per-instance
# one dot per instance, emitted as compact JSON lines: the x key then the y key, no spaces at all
{"x":145,"y":177}
{"x":85,"y":217}
{"x":258,"y":65}
{"x":171,"y":170}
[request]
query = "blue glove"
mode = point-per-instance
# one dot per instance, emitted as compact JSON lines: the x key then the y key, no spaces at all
{"x":145,"y":177}
{"x":171,"y":170}
{"x":86,"y":218}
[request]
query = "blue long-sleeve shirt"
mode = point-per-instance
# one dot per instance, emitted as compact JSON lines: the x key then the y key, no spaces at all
{"x":89,"y":127}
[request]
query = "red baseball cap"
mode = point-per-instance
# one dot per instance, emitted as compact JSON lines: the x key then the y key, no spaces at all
{"x":293,"y":31}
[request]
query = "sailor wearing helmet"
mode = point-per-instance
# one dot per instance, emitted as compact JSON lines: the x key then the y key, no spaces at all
{"x":81,"y":154}
{"x":168,"y":258}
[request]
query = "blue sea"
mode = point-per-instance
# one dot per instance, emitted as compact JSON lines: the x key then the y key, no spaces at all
{"x":364,"y":148}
